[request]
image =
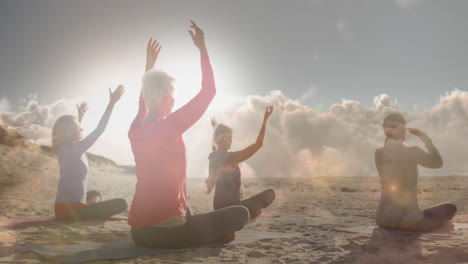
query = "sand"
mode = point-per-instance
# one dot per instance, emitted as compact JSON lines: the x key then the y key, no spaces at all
{"x":313,"y":206}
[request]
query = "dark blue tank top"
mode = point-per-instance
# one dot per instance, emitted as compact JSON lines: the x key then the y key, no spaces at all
{"x":228,"y":186}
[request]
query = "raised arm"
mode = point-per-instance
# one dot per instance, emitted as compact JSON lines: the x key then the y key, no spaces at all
{"x":83,"y":145}
{"x":81,"y":110}
{"x":239,"y":156}
{"x":152,"y":52}
{"x":430,"y":159}
{"x":182,"y":119}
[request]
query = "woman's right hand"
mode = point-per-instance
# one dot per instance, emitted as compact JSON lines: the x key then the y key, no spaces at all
{"x":198,"y":37}
{"x":152,"y":53}
{"x":214,"y":123}
{"x":415,"y":132}
{"x":268,"y":112}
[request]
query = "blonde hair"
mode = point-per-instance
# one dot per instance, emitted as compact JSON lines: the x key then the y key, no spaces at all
{"x":64,"y":130}
{"x":219,"y":131}
{"x":156,"y":85}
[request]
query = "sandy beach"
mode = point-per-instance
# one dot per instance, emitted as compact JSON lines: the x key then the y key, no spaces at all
{"x":312,"y":206}
{"x":317,"y":100}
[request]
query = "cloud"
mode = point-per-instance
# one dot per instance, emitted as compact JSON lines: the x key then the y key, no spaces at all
{"x":407,"y":4}
{"x":302,"y":142}
{"x":447,"y":124}
{"x":309,"y":94}
{"x":4,"y":105}
{"x":35,"y":121}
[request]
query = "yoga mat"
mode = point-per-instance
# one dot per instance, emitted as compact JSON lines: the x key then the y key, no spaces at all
{"x":274,"y":214}
{"x":460,"y":219}
{"x":268,"y":214}
{"x":21,"y":223}
{"x":370,"y":229}
{"x":128,"y":249}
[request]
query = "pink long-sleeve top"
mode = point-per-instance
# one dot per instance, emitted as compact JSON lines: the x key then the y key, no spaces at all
{"x":159,"y":153}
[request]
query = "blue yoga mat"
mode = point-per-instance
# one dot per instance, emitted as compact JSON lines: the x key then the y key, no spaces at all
{"x":128,"y":249}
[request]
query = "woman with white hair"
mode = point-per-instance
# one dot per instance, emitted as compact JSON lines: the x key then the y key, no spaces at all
{"x":159,"y":216}
{"x":73,"y":202}
{"x":397,"y":166}
{"x":224,"y":173}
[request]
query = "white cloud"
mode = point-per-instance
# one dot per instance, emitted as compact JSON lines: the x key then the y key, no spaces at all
{"x":4,"y":105}
{"x":300,"y":141}
{"x":35,"y":121}
{"x":308,"y":95}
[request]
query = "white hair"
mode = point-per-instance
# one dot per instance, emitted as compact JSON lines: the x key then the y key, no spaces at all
{"x":156,"y":85}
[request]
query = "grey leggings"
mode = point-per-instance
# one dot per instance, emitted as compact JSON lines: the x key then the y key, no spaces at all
{"x":434,"y":218}
{"x":100,"y":210}
{"x":259,"y":201}
{"x":199,"y":229}
{"x":254,"y":203}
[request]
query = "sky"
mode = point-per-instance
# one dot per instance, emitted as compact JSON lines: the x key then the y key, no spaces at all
{"x":322,"y":60}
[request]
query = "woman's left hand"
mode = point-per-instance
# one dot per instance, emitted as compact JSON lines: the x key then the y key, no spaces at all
{"x":268,"y":112}
{"x":198,"y":37}
{"x":115,"y":96}
{"x":81,"y":110}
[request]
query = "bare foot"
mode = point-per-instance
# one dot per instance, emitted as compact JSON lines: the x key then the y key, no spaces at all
{"x":228,"y":238}
{"x":257,"y":214}
{"x":447,"y":226}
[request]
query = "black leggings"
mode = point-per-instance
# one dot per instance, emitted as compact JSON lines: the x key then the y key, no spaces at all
{"x":434,"y":218}
{"x":99,"y":210}
{"x":198,"y":230}
{"x":254,"y":203}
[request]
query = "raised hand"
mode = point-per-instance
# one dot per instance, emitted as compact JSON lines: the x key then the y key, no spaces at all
{"x":268,"y":112}
{"x":152,"y":53}
{"x":81,"y":110}
{"x":213,"y":122}
{"x":115,"y":96}
{"x":415,"y":131}
{"x":198,"y":37}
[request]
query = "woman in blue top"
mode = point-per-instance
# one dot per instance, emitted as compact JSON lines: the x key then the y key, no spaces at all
{"x":224,"y":173}
{"x":73,"y":202}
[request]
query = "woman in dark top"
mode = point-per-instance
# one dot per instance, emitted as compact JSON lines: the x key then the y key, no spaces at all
{"x":224,"y":173}
{"x":397,"y":165}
